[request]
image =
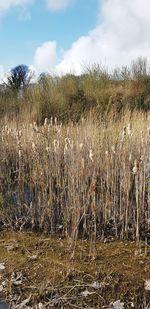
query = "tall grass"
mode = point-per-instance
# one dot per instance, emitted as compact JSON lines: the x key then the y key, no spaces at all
{"x":89,"y":179}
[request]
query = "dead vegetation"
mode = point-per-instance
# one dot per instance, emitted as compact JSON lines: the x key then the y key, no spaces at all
{"x":41,"y":272}
{"x":88,"y":180}
{"x":84,"y":188}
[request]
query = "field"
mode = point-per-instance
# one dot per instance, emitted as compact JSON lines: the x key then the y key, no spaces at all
{"x":75,"y":191}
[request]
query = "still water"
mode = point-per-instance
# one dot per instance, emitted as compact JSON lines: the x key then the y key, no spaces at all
{"x":4,"y":305}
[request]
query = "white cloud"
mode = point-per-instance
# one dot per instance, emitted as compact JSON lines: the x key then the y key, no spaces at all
{"x":52,"y":5}
{"x":56,"y":5}
{"x":7,"y":4}
{"x":121,"y":35}
{"x":2,"y":74}
{"x":45,"y":57}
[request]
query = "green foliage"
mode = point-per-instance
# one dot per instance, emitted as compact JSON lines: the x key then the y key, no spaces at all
{"x":70,"y":96}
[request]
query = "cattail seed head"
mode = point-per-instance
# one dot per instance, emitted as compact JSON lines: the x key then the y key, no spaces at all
{"x":81,"y":146}
{"x":129,"y":131}
{"x":91,"y":155}
{"x":19,"y":153}
{"x":135,"y":168}
{"x":45,"y":122}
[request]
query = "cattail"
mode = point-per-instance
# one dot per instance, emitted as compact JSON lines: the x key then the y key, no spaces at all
{"x":81,"y":146}
{"x":70,"y":142}
{"x":113,"y":149}
{"x":18,"y":142}
{"x":65,"y":149}
{"x":135,"y":168}
{"x":35,"y":127}
{"x":67,"y":146}
{"x":47,"y":148}
{"x":130,"y":157}
{"x":82,"y":163}
{"x":91,"y":155}
{"x":6,"y":128}
{"x":40,"y":306}
{"x":33,"y":146}
{"x":148,"y":130}
{"x":129,"y":129}
{"x":45,"y":122}
{"x":19,"y":153}
{"x":55,"y":121}
{"x":147,"y":285}
{"x":51,"y":121}
{"x":19,"y":133}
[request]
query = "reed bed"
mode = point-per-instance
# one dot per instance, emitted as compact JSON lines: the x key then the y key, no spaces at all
{"x":90,"y":179}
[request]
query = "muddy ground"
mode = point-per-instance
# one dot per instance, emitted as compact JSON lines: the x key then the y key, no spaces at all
{"x":40,"y":271}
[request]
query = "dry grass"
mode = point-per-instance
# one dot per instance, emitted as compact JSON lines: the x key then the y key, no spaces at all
{"x":90,"y":179}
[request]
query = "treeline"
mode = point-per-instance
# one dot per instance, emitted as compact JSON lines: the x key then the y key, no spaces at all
{"x":70,"y":96}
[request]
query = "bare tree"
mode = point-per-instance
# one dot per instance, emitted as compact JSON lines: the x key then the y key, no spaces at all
{"x":20,"y":76}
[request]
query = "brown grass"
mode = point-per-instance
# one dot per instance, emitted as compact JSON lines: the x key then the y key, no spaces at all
{"x":89,"y":179}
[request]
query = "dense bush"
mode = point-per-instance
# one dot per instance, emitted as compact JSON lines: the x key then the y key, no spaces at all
{"x":69,"y":97}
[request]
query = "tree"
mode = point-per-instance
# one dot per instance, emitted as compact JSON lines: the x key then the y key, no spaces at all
{"x":19,"y":77}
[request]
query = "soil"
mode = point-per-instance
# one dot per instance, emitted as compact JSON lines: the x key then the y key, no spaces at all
{"x":42,"y":271}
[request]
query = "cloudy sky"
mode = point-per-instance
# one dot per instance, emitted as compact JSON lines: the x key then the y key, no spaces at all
{"x":68,"y":35}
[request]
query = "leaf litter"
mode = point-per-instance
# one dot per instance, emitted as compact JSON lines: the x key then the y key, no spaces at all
{"x":40,"y":274}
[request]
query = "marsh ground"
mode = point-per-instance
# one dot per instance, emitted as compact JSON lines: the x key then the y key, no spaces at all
{"x":41,"y":271}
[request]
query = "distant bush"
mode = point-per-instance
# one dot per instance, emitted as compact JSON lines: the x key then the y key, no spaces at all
{"x":71,"y":97}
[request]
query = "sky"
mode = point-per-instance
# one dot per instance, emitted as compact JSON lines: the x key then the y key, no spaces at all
{"x":66,"y":36}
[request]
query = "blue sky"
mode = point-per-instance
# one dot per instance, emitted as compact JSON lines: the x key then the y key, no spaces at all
{"x":25,"y":28}
{"x":61,"y":36}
